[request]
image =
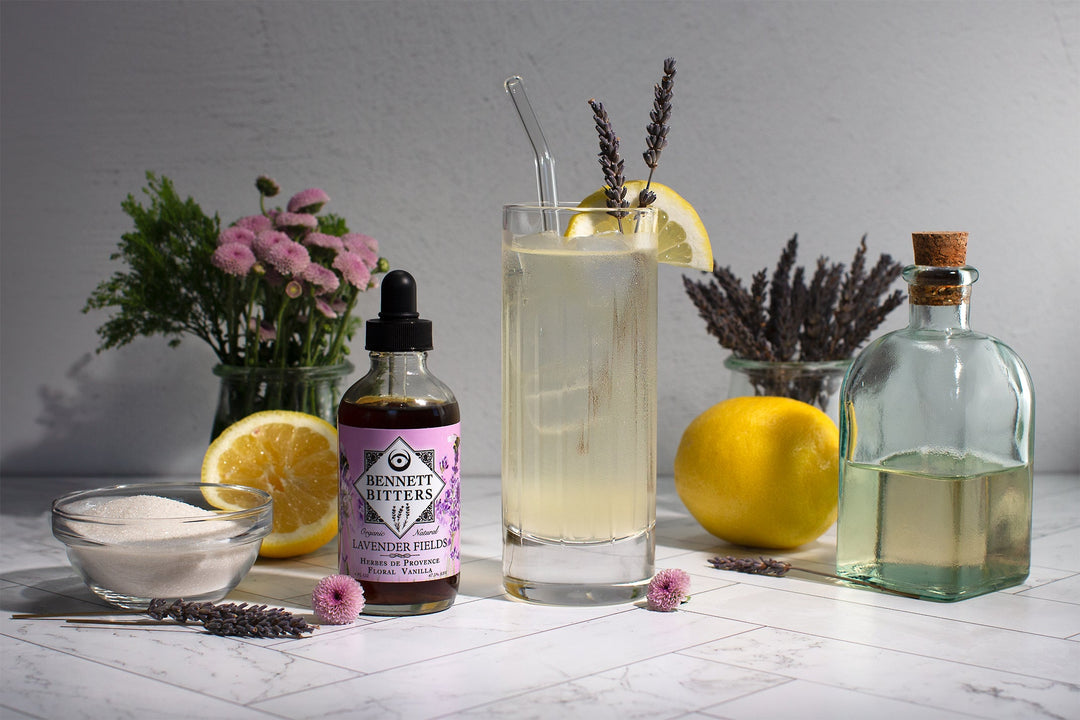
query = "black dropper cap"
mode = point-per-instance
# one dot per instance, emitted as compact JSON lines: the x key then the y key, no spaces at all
{"x":399,"y":327}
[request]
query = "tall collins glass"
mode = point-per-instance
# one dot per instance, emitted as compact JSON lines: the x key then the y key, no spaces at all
{"x":578,"y":403}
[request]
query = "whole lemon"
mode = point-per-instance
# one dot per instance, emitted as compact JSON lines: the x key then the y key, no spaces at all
{"x":760,"y":471}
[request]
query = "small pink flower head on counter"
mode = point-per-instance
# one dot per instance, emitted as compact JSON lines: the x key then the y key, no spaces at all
{"x":337,"y":600}
{"x":668,"y":589}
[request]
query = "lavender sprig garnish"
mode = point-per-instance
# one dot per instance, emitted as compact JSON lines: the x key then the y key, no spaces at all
{"x":657,"y":130}
{"x":614,"y":191}
{"x":780,"y":568}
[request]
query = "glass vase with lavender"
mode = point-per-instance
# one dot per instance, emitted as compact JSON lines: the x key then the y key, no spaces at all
{"x":793,"y":334}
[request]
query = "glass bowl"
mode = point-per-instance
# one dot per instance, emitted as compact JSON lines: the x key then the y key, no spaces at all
{"x":133,"y":543}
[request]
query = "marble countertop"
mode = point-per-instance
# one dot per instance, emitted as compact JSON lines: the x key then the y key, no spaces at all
{"x":745,"y":646}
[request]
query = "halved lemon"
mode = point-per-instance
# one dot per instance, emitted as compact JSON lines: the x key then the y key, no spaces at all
{"x":683,"y":240}
{"x":292,"y":456}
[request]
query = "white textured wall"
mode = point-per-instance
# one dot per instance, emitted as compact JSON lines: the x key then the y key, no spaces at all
{"x":830,"y":119}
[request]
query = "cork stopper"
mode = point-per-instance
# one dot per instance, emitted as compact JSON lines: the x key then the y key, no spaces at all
{"x":941,"y":250}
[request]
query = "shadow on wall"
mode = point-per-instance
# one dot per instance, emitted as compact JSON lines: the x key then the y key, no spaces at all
{"x":142,"y":417}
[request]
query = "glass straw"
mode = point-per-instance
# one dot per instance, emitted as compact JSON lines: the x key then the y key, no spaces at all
{"x":545,"y":163}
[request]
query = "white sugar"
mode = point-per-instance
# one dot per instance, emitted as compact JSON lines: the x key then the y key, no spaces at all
{"x":154,"y":546}
{"x":151,"y":518}
{"x":147,"y":506}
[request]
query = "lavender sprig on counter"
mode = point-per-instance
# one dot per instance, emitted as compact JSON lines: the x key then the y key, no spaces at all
{"x":610,"y":161}
{"x":231,"y":619}
{"x":657,"y":130}
{"x":780,"y":568}
{"x":759,"y":566}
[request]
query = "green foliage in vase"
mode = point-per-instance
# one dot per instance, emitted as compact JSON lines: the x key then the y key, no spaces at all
{"x":275,"y":289}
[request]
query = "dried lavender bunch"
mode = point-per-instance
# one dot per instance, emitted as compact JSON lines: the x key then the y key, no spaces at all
{"x":790,"y":319}
{"x":231,"y":619}
{"x":760,"y":566}
{"x":610,"y":162}
{"x":656,"y":131}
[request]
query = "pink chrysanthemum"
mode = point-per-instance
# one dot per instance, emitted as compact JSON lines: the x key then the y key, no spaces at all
{"x":337,"y":600}
{"x":324,"y":307}
{"x":294,"y":289}
{"x":288,"y":258}
{"x":668,"y":589}
{"x":325,"y":279}
{"x":296,"y":220}
{"x":353,"y":241}
{"x":255,"y":223}
{"x":236,"y":234}
{"x":353,"y":269}
{"x":267,"y":186}
{"x":266,"y":240}
{"x":369,"y":256}
{"x":307,"y":201}
{"x":318,"y":239}
{"x":267,"y":331}
{"x":234,"y":258}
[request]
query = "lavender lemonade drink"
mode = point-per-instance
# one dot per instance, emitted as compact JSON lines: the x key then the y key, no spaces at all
{"x":579,"y":404}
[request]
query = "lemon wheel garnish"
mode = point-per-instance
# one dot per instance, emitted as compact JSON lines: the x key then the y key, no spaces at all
{"x":293,"y":457}
{"x":682,"y":238}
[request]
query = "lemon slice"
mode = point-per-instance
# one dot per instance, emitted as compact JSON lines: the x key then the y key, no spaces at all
{"x":683,"y":240}
{"x":292,"y":456}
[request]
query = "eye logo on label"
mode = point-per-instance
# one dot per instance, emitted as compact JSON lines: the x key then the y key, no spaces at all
{"x":399,"y":460}
{"x":399,"y":486}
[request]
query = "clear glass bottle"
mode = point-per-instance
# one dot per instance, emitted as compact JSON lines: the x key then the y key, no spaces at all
{"x":937,"y":445}
{"x":399,"y":433}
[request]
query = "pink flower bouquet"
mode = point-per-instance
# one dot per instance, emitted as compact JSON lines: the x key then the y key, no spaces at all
{"x":275,"y":289}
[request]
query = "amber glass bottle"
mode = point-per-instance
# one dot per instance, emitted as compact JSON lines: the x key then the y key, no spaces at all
{"x":399,"y":434}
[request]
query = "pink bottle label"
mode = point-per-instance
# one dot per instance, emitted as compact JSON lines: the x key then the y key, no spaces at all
{"x":399,"y":503}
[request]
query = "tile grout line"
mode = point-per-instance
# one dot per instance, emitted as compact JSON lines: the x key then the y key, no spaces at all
{"x":148,"y":678}
{"x":436,"y":657}
{"x":908,"y":611}
{"x":950,"y":661}
{"x":626,"y":665}
{"x":841,"y":641}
